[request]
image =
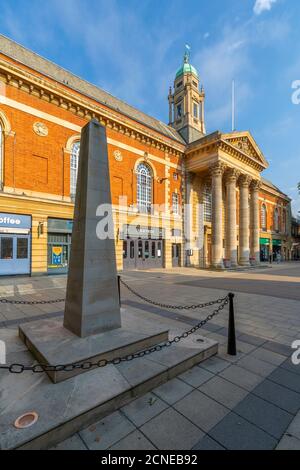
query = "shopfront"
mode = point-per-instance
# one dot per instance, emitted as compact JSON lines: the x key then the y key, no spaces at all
{"x":15,"y":244}
{"x":264,"y":249}
{"x":59,"y":245}
{"x":277,"y":248}
{"x":143,"y":247}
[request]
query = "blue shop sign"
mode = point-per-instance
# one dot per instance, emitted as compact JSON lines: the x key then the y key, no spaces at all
{"x":15,"y":221}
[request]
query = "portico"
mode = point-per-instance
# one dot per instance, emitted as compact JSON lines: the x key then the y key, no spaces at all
{"x":230,"y":166}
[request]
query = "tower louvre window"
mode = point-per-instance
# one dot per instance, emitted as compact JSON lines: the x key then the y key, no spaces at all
{"x":196,"y":110}
{"x":179,"y":84}
{"x":179,"y":111}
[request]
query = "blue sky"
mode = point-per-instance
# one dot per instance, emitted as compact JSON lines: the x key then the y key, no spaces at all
{"x":132,"y":49}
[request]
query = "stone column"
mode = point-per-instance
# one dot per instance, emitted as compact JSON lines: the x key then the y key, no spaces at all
{"x":254,"y":221}
{"x":188,"y":216}
{"x":244,"y":225}
{"x":216,"y":172}
{"x":231,"y":222}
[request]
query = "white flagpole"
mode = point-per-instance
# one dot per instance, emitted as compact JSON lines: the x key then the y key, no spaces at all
{"x":233,"y":107}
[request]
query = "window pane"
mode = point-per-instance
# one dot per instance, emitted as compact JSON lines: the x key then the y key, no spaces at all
{"x":147,"y":250}
{"x":153,"y":250}
{"x":22,"y":248}
{"x":74,"y":167}
{"x":124,"y":250}
{"x":207,"y":203}
{"x":159,"y":250}
{"x":144,"y":188}
{"x":140,"y":249}
{"x":7,"y":248}
{"x":131,"y":250}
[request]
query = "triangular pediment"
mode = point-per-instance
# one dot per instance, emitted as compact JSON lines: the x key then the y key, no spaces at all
{"x":245,"y":143}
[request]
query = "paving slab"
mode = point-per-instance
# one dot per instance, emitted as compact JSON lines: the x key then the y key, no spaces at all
{"x":173,"y":391}
{"x":286,"y":378}
{"x":257,"y":366}
{"x":215,"y":365}
{"x":72,"y":443}
{"x":264,"y":415}
{"x":223,"y":392}
{"x":289,"y":443}
{"x":235,"y":433}
{"x":241,"y":377}
{"x":172,"y":431}
{"x":269,"y":356}
{"x":107,"y":431}
{"x":144,"y":408}
{"x":207,"y":443}
{"x":201,"y":410}
{"x":280,"y":396}
{"x":134,"y":441}
{"x":196,"y":376}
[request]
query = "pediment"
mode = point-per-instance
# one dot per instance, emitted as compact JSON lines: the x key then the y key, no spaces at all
{"x":245,"y":143}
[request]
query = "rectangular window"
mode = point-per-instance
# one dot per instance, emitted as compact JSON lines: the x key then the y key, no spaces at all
{"x":196,"y":110}
{"x":179,"y":111}
{"x":175,"y":203}
{"x":7,"y":248}
{"x":124,"y":250}
{"x":22,"y":248}
{"x":175,"y":176}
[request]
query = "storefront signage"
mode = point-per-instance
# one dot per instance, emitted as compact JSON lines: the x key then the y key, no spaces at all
{"x":139,"y":231}
{"x":60,"y":226}
{"x":15,"y":221}
{"x":276,"y":242}
{"x":57,"y":255}
{"x":265,"y":241}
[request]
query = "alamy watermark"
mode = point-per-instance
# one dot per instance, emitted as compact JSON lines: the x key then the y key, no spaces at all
{"x":296,"y":354}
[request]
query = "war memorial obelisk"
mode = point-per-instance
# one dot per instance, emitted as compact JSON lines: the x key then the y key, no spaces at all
{"x":91,"y":329}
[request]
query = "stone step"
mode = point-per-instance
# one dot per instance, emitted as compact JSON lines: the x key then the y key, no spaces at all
{"x":67,"y":407}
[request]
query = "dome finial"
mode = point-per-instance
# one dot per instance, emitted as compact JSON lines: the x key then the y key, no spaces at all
{"x":186,"y":57}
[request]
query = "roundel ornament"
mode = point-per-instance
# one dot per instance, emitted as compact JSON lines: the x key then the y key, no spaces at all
{"x":40,"y":129}
{"x":118,"y":156}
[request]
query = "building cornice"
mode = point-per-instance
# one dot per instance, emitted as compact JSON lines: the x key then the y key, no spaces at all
{"x":85,"y":107}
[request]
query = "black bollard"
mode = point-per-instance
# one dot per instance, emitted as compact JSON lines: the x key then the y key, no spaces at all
{"x":119,"y":288}
{"x":231,"y":349}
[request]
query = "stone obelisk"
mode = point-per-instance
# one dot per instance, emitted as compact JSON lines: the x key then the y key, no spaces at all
{"x":92,"y":304}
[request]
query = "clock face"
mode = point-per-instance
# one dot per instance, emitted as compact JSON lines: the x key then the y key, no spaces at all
{"x":40,"y":129}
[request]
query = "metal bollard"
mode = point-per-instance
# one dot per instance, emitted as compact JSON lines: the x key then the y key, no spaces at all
{"x":119,"y":288}
{"x":231,"y":348}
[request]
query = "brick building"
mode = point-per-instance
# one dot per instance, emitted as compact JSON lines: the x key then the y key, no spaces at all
{"x":154,"y":167}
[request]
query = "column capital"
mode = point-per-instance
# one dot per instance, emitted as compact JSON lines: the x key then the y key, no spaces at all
{"x":245,"y":180}
{"x":217,"y":169}
{"x":231,"y":175}
{"x":255,"y":185}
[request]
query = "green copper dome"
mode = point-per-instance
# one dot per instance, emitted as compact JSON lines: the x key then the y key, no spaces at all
{"x":186,"y":68}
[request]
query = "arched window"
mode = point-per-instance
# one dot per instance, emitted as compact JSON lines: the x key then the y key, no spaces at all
{"x":207,"y":204}
{"x":74,"y":168}
{"x":284,"y":221}
{"x":144,"y":188}
{"x":276,"y":220}
{"x":263,"y":217}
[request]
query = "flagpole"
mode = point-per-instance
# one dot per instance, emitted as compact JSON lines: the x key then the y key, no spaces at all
{"x":233,"y":107}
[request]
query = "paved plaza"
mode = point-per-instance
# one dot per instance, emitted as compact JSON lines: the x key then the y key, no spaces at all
{"x":250,"y":401}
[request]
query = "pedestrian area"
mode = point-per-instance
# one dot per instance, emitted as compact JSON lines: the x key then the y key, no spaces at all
{"x":250,"y":401}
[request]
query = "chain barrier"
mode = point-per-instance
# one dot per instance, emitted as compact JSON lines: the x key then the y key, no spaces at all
{"x":172,"y":307}
{"x":30,"y":302}
{"x":87,"y":365}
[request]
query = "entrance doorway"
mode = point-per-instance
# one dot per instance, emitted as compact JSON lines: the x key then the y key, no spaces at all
{"x":14,"y":254}
{"x":142,"y":254}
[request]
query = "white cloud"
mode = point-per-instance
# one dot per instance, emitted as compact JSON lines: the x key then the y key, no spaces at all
{"x":263,"y":5}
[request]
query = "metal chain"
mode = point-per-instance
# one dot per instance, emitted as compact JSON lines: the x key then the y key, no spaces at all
{"x":177,"y":307}
{"x":30,"y":302}
{"x":39,"y":368}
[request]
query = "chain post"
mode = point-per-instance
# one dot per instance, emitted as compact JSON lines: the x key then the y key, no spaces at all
{"x":231,"y":348}
{"x":119,"y":288}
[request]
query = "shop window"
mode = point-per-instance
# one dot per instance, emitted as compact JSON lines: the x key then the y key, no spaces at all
{"x":6,"y":248}
{"x":22,"y":248}
{"x":263,"y":216}
{"x":74,"y":168}
{"x":146,"y":252}
{"x":124,"y":250}
{"x":144,"y":188}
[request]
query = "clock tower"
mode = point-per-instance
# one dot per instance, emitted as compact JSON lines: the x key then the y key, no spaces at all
{"x":186,"y":102}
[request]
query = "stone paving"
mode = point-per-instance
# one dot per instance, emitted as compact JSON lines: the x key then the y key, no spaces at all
{"x":250,"y":401}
